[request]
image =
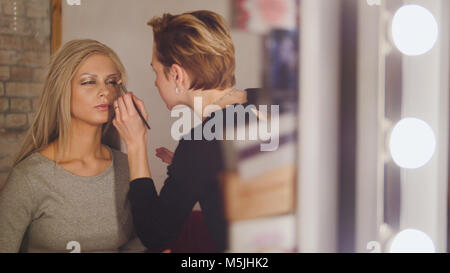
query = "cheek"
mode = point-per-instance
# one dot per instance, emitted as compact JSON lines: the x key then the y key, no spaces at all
{"x":80,"y":102}
{"x":161,"y":81}
{"x":161,"y":85}
{"x":75,"y":101}
{"x":77,"y":94}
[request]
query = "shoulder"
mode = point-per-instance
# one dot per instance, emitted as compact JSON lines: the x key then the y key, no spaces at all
{"x":20,"y":175}
{"x":35,"y":167}
{"x":34,"y":163}
{"x":18,"y":195}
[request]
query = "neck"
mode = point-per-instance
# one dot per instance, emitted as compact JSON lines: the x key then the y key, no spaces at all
{"x":84,"y":142}
{"x":219,"y":98}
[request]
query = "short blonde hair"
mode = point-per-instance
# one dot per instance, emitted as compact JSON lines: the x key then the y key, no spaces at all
{"x":53,"y":119}
{"x":201,"y":43}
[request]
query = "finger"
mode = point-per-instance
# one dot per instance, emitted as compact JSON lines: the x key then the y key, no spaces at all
{"x":163,"y":159}
{"x":160,"y":152}
{"x":116,"y":125}
{"x":129,"y":104}
{"x":169,"y":152}
{"x":116,"y":110}
{"x":168,"y":160}
{"x":164,"y":149}
{"x":122,"y":109}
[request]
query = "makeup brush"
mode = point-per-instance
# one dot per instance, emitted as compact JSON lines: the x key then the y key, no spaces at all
{"x":120,"y":83}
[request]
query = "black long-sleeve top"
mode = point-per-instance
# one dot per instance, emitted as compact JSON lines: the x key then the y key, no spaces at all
{"x":192,"y":176}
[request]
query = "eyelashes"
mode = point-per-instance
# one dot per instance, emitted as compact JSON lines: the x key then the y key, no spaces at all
{"x":108,"y":82}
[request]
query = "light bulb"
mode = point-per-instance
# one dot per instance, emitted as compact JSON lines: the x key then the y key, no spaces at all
{"x":412,"y":241}
{"x":412,"y":143}
{"x":414,"y":30}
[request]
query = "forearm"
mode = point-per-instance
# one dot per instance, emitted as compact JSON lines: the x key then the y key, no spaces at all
{"x":153,"y":223}
{"x":138,"y":161}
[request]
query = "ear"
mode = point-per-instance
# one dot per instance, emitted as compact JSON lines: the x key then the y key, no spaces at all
{"x":179,"y":75}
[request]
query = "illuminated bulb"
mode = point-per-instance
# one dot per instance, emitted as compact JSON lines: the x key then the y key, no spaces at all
{"x":412,"y":143}
{"x":414,"y":30}
{"x":412,"y":241}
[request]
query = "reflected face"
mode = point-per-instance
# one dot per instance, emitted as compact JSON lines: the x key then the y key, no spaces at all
{"x":165,"y":85}
{"x":94,"y":88}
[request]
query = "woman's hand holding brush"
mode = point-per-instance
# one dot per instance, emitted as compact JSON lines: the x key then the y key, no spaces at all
{"x":133,"y":131}
{"x":124,"y":89}
{"x":127,"y":120}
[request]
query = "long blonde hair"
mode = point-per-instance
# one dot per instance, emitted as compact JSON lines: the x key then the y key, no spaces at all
{"x":52,"y":120}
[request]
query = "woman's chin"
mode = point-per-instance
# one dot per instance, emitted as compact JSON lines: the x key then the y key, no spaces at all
{"x":102,"y":117}
{"x":100,"y":121}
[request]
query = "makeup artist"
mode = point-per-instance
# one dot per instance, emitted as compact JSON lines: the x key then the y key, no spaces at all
{"x":193,"y":56}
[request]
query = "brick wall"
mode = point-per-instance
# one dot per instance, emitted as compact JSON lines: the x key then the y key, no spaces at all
{"x":24,"y":56}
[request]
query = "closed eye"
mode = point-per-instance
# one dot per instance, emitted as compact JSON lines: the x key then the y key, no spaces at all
{"x":88,"y":82}
{"x":113,"y":82}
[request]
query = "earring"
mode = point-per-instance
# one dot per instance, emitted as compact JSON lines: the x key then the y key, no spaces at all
{"x":177,"y":90}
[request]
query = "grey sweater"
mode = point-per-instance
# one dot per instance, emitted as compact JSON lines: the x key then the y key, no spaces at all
{"x":43,"y":207}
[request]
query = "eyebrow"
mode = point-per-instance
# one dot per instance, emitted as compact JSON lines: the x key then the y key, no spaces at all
{"x":94,"y":75}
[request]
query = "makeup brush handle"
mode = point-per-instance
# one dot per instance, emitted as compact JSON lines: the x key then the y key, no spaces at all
{"x":135,"y":106}
{"x":142,"y":117}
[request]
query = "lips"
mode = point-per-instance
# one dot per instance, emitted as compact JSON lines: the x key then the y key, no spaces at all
{"x":102,"y":107}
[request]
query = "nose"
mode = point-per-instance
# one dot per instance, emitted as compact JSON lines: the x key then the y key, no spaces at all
{"x":104,"y":90}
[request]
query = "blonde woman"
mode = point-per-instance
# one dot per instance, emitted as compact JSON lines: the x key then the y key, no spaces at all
{"x":68,"y":186}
